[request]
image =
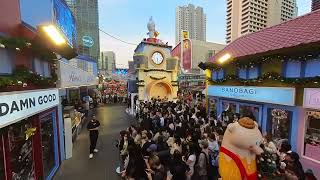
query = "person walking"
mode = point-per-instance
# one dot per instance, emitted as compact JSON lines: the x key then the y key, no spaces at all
{"x":93,"y":128}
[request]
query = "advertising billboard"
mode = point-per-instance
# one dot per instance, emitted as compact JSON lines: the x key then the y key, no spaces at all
{"x":121,"y":72}
{"x":186,"y":54}
{"x":65,"y":21}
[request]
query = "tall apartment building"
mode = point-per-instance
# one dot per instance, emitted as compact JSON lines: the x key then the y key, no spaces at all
{"x":247,"y":16}
{"x":107,"y":62}
{"x":315,"y":5}
{"x":192,"y":19}
{"x":87,"y":17}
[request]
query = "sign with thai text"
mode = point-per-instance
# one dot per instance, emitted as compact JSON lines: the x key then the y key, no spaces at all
{"x":272,"y":95}
{"x":311,"y":98}
{"x":20,"y":105}
{"x":71,"y":76}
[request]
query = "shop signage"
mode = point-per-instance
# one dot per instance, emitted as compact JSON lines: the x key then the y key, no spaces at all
{"x":311,"y":98}
{"x":71,"y":76}
{"x":14,"y":107}
{"x":87,"y":41}
{"x":272,"y":95}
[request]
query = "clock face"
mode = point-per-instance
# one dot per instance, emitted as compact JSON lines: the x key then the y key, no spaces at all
{"x":157,"y":58}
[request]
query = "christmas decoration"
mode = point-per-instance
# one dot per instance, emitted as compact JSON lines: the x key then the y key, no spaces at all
{"x":23,"y":77}
{"x":20,"y":44}
{"x":266,"y":165}
{"x":240,"y":145}
{"x":156,"y":78}
{"x":272,"y":76}
{"x":30,"y":132}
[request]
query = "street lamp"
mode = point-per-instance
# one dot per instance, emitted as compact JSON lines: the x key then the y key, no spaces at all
{"x":54,"y":34}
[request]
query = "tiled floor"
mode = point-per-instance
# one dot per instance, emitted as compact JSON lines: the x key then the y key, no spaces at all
{"x":102,"y":167}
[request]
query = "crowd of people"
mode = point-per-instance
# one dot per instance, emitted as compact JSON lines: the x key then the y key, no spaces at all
{"x":179,"y":140}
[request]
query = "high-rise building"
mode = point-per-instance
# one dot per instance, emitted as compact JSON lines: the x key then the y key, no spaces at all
{"x":87,"y":18}
{"x":315,"y":5}
{"x":192,"y":19}
{"x":247,"y":16}
{"x":107,"y":62}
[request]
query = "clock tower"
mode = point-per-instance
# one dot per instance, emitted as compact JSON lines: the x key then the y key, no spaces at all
{"x":156,"y":69}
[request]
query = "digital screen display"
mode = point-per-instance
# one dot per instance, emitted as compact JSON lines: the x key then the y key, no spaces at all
{"x":121,"y":72}
{"x":65,"y":21}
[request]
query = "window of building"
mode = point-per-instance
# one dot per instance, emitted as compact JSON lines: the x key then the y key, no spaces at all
{"x":249,"y":73}
{"x":217,"y":75}
{"x":47,"y":142}
{"x":279,"y":123}
{"x":311,"y":148}
{"x":6,"y":59}
{"x":293,"y":69}
{"x":312,"y":68}
{"x":297,"y":69}
{"x":41,"y":67}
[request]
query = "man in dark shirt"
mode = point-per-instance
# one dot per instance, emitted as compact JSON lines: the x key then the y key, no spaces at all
{"x":93,"y":127}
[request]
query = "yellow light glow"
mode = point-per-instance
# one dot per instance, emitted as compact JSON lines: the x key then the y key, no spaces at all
{"x":224,"y":58}
{"x":54,"y":34}
{"x":208,"y":73}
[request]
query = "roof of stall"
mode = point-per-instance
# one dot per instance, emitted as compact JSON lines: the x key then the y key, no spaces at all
{"x":295,"y":34}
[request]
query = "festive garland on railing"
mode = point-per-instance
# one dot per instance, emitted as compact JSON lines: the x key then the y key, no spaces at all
{"x":23,"y":77}
{"x":271,"y":76}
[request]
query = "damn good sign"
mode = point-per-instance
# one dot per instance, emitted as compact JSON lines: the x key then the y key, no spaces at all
{"x":19,"y":105}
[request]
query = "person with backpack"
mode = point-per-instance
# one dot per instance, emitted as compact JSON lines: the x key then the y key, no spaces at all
{"x":203,"y":161}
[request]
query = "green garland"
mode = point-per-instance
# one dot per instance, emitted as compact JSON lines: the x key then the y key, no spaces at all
{"x":269,"y":59}
{"x":271,"y":76}
{"x":22,"y":76}
{"x":21,"y":44}
{"x":155,"y":78}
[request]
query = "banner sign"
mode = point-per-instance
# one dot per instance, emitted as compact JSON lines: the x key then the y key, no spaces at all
{"x":186,"y":54}
{"x":18,"y":106}
{"x":71,"y":76}
{"x":311,"y":98}
{"x":185,"y":35}
{"x":272,"y":95}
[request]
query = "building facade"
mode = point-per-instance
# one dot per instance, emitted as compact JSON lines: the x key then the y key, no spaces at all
{"x":107,"y":62}
{"x":247,"y":16}
{"x":87,"y":17}
{"x":156,"y":72}
{"x":315,"y":5}
{"x":192,"y":19}
{"x":200,"y":51}
{"x":274,"y":81}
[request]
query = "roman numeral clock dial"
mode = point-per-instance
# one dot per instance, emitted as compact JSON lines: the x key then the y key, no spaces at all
{"x":157,"y":58}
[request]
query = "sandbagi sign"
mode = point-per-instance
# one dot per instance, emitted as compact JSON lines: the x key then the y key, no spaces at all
{"x":14,"y":107}
{"x":272,"y":95}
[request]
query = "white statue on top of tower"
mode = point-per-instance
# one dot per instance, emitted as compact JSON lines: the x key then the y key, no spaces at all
{"x":152,"y":29}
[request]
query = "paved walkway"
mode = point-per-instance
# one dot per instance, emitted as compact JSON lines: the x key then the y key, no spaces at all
{"x":102,"y":167}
